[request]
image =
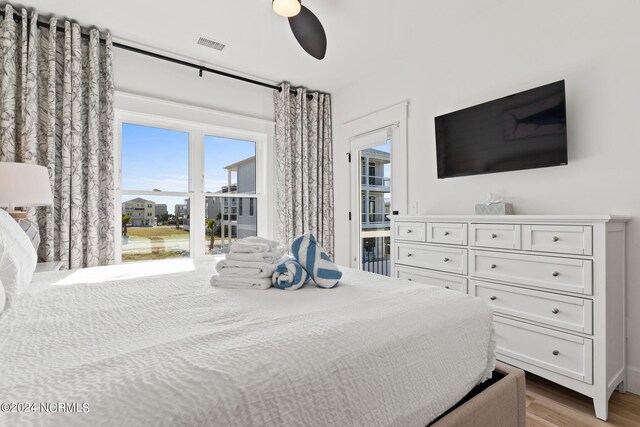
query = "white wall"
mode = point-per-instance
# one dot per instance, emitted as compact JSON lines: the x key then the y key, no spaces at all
{"x":595,"y":49}
{"x":147,"y":76}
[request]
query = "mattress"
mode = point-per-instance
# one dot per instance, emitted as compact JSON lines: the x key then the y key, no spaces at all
{"x":155,"y":344}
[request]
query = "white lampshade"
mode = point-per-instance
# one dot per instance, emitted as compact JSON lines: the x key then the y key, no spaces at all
{"x":287,"y":8}
{"x":23,"y":185}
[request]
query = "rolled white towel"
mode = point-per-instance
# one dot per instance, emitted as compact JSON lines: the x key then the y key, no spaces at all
{"x":271,"y":257}
{"x":233,"y":282}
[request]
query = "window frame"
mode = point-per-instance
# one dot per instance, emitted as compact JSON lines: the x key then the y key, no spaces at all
{"x":218,"y":124}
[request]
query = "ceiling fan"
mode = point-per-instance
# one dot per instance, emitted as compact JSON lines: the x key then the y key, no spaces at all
{"x":306,"y":26}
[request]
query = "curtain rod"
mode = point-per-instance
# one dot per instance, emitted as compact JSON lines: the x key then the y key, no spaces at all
{"x":200,"y":68}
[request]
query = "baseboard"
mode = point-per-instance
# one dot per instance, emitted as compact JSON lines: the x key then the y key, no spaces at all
{"x":633,"y":380}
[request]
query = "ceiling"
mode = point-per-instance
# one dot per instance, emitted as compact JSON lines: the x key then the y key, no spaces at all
{"x":365,"y":37}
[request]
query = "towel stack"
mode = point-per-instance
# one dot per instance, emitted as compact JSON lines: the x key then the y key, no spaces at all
{"x":250,"y":263}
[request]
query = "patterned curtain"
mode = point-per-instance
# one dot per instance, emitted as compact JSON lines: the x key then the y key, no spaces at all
{"x":304,"y":154}
{"x":56,"y":110}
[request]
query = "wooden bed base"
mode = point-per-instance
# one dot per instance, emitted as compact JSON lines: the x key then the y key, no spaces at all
{"x":499,"y":402}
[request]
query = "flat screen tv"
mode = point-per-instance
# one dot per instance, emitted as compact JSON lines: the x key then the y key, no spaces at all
{"x":522,"y":131}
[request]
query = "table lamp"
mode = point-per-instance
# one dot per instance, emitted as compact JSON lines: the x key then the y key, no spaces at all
{"x":25,"y":186}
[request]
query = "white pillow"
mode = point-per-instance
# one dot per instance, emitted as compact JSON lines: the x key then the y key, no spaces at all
{"x":18,"y":258}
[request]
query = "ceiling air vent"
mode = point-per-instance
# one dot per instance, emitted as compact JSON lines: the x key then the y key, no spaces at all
{"x":207,"y":42}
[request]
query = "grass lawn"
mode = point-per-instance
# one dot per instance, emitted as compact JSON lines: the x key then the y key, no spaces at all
{"x":158,"y":233}
{"x":147,"y":243}
{"x":150,"y":256}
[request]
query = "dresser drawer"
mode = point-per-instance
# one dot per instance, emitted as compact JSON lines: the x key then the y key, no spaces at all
{"x":451,"y":260}
{"x":562,"y":239}
{"x":430,"y":278}
{"x":447,"y":232}
{"x":558,"y":274}
{"x":411,"y":231}
{"x":503,"y":236}
{"x":560,"y":311}
{"x":564,"y":354}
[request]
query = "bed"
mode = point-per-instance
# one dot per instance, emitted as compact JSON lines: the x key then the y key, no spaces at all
{"x":155,"y":344}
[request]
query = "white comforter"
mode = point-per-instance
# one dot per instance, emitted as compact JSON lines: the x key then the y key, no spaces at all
{"x":172,"y":350}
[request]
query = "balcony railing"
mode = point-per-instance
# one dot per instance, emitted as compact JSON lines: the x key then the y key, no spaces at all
{"x":376,"y":181}
{"x":376,"y":255}
{"x":375,"y":218}
{"x":232,"y":189}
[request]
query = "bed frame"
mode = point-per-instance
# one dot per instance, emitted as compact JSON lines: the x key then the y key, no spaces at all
{"x":499,"y":402}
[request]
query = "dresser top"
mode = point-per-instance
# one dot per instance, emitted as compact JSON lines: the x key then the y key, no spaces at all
{"x":551,"y":219}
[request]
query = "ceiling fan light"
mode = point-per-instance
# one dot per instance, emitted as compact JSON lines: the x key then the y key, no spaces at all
{"x":287,"y":8}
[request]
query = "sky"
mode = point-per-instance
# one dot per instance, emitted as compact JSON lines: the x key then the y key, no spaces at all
{"x":155,"y":158}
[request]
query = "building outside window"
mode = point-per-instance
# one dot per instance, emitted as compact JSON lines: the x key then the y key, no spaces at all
{"x":233,"y":220}
{"x":376,"y":205}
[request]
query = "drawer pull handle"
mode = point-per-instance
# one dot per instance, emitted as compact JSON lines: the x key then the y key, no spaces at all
{"x":493,"y":298}
{"x":555,"y":274}
{"x":555,"y":311}
{"x":493,"y":266}
{"x":555,"y":352}
{"x":555,"y":238}
{"x":409,"y":254}
{"x":446,"y":260}
{"x":446,"y":233}
{"x":493,"y":235}
{"x":409,"y":231}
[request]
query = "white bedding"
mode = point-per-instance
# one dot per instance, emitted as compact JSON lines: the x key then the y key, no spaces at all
{"x":173,"y":350}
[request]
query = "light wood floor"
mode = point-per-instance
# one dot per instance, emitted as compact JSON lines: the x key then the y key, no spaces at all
{"x":549,"y":404}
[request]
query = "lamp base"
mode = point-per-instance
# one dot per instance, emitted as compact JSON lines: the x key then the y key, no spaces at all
{"x":31,"y":229}
{"x":17,"y":214}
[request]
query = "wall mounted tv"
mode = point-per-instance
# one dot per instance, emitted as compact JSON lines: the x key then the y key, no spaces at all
{"x":522,"y":131}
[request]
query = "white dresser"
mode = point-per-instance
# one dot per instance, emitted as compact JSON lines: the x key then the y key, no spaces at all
{"x":556,"y":284}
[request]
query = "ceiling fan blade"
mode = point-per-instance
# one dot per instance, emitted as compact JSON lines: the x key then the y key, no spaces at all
{"x":309,"y":32}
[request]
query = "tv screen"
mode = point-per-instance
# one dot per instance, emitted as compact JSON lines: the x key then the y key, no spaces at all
{"x":522,"y":131}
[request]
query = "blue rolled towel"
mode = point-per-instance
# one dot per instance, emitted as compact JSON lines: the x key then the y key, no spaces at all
{"x":316,"y":261}
{"x":289,"y":276}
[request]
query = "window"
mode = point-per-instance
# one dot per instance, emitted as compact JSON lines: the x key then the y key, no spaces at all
{"x":142,"y":239}
{"x":154,"y":161}
{"x":188,"y":189}
{"x":372,"y":209}
{"x":229,"y":165}
{"x":229,"y":168}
